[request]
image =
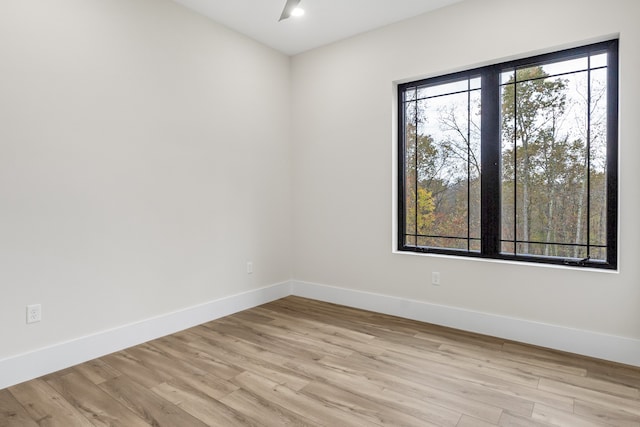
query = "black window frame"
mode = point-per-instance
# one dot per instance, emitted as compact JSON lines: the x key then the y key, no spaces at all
{"x":490,"y":177}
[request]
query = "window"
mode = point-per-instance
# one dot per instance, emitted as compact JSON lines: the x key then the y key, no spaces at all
{"x":514,"y":161}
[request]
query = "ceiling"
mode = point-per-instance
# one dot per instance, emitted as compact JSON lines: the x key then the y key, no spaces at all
{"x":324,"y":22}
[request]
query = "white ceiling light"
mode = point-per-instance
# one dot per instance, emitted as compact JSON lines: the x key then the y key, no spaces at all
{"x":298,"y":11}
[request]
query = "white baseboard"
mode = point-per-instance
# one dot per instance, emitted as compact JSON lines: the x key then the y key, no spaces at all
{"x":23,"y":367}
{"x":593,"y":344}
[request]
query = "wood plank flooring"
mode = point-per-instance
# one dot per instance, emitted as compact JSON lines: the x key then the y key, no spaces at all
{"x":298,"y":362}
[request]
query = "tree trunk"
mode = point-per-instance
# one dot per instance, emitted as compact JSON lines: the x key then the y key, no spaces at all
{"x":525,"y":198}
{"x":550,"y":213}
{"x":581,"y":197}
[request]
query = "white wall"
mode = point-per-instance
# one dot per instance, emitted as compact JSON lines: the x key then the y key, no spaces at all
{"x":343,"y":136}
{"x":144,"y":158}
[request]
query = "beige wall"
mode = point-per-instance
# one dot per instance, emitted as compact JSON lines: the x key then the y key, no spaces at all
{"x":144,"y":158}
{"x":343,"y":139}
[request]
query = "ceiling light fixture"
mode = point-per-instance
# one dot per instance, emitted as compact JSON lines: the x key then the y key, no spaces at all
{"x":291,"y":9}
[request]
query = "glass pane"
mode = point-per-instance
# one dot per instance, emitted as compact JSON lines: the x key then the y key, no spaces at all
{"x":410,"y":240}
{"x":550,"y":250}
{"x":410,"y":217}
{"x":561,"y":67}
{"x":508,"y":177}
{"x":598,"y":134}
{"x":598,"y":154}
{"x":545,"y":137}
{"x":598,"y":209}
{"x":572,"y":191}
{"x":474,"y":169}
{"x":552,"y":69}
{"x":508,"y":211}
{"x":599,"y":60}
{"x":507,"y":248}
{"x":598,"y":254}
{"x":443,"y":243}
{"x":410,"y":168}
{"x":507,"y":76}
{"x":443,"y":89}
{"x":442,"y":165}
{"x":475,"y":83}
{"x":409,"y":94}
{"x":444,"y":183}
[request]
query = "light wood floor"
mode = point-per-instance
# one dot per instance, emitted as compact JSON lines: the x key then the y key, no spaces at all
{"x":303,"y":362}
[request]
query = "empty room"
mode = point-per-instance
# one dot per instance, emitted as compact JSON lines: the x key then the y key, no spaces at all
{"x":319,"y":212}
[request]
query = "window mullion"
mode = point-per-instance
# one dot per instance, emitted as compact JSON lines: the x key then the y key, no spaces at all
{"x":490,"y":162}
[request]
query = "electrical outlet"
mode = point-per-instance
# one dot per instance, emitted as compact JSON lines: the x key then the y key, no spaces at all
{"x":34,"y":313}
{"x":435,"y":278}
{"x":249,"y":267}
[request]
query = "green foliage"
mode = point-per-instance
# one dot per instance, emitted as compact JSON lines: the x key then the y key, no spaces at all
{"x":423,"y":217}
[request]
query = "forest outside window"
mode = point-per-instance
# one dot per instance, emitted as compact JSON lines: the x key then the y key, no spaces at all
{"x":515,"y":161}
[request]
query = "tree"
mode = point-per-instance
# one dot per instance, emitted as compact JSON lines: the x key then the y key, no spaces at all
{"x":442,"y":148}
{"x":421,"y":161}
{"x":533,"y":107}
